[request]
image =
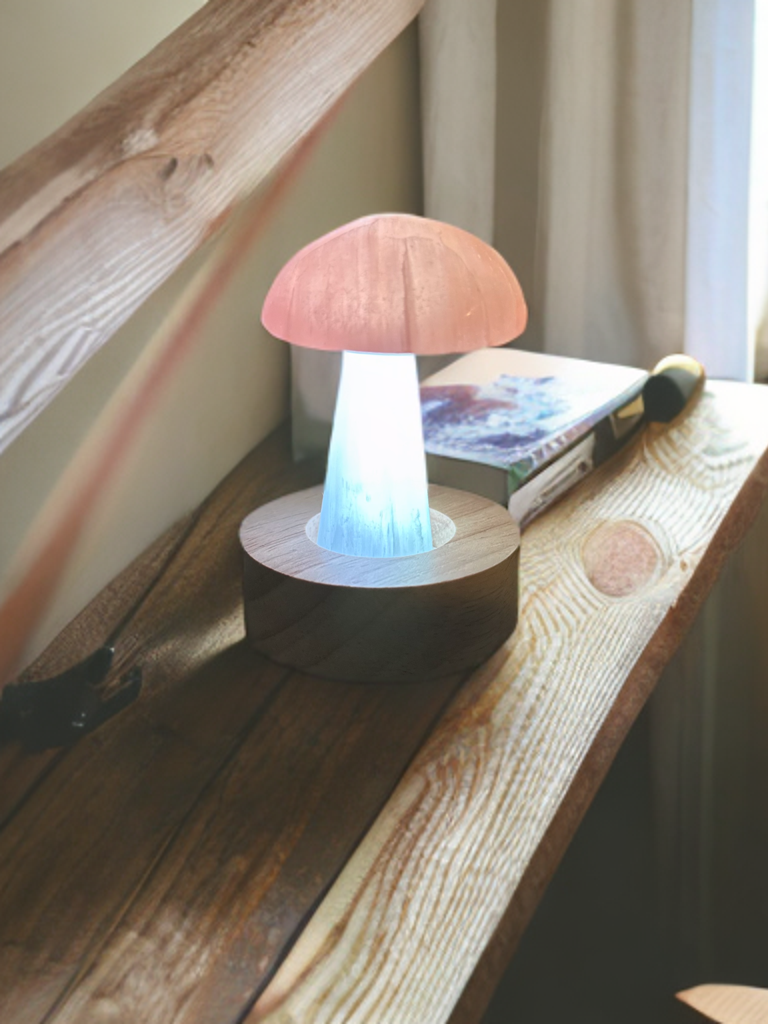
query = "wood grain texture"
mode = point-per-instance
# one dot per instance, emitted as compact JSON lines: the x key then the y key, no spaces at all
{"x":728,"y":1004}
{"x":437,"y":894}
{"x":388,"y":620}
{"x":162,"y":868}
{"x":158,"y":869}
{"x":96,"y":625}
{"x":83,"y":834}
{"x":276,"y":535}
{"x":204,"y":931}
{"x":98,"y":215}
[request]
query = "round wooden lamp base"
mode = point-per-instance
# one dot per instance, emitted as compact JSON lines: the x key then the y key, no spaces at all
{"x":380,"y":619}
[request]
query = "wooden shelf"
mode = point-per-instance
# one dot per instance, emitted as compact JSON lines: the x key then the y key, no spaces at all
{"x":249,"y":844}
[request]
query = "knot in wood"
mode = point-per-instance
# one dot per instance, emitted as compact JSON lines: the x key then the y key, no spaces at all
{"x":140,"y":140}
{"x":620,"y":558}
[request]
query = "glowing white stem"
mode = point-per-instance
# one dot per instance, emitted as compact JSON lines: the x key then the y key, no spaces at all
{"x":375,"y":499}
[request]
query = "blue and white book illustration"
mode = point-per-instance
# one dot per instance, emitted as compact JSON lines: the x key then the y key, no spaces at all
{"x":515,"y":411}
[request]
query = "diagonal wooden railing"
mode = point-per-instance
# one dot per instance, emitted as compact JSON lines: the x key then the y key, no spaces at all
{"x":51,"y":541}
{"x":94,"y":218}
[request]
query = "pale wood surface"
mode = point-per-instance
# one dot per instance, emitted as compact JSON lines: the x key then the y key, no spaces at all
{"x":434,"y":891}
{"x":728,"y":1004}
{"x":98,"y":215}
{"x":164,"y":867}
{"x":275,"y":535}
{"x":381,"y":619}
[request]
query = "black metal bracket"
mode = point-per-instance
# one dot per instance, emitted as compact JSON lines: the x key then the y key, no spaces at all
{"x":56,"y":712}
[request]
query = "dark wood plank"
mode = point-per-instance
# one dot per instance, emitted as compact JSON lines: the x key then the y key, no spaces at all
{"x":98,"y":815}
{"x":158,"y":870}
{"x":92,"y":628}
{"x":256,"y":854}
{"x":130,"y":602}
{"x":97,"y":216}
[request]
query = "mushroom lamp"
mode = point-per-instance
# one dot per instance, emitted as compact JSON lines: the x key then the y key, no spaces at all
{"x":378,"y":576}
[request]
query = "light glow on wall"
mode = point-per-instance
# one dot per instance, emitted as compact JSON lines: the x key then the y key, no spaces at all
{"x":375,"y":499}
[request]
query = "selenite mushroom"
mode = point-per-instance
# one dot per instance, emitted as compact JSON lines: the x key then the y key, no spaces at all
{"x":320,"y":593}
{"x":384,"y":289}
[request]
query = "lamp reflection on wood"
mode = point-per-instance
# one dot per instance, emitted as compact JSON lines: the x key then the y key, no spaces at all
{"x":382,"y":583}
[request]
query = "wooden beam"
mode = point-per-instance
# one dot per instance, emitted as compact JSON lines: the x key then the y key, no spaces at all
{"x":99,"y":214}
{"x":421,"y":921}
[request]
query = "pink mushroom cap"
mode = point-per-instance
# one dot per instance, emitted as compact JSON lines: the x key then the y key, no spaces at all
{"x":394,"y":282}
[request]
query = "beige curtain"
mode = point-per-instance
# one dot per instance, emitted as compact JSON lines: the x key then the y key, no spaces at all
{"x":569,"y":152}
{"x":633,"y":149}
{"x":610,"y":244}
{"x":457,"y":49}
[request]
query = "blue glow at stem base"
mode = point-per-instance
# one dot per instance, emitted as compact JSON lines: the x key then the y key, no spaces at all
{"x":375,"y":500}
